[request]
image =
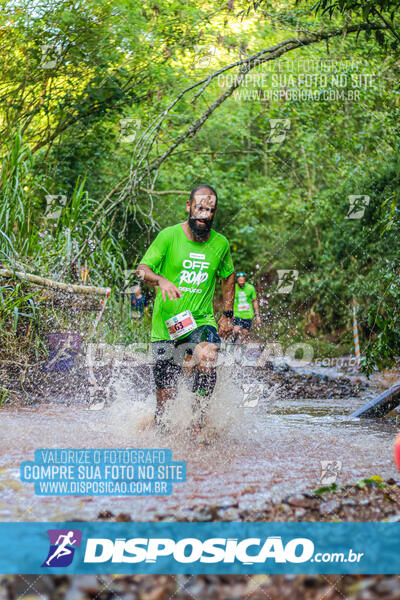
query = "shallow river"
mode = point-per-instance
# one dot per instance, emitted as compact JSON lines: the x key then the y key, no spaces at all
{"x":265,"y":451}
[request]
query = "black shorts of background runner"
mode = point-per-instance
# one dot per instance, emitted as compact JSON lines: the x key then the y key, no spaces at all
{"x":244,"y":323}
{"x":168,"y":355}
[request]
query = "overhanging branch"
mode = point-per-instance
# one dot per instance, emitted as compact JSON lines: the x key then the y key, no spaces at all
{"x":141,"y":168}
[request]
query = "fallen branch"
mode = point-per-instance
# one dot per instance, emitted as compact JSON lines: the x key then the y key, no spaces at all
{"x":58,"y":285}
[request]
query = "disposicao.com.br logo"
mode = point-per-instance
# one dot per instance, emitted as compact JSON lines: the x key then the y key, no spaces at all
{"x":248,"y":551}
{"x":62,"y":547}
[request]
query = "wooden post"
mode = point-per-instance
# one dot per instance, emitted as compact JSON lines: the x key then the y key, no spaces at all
{"x":355,"y":334}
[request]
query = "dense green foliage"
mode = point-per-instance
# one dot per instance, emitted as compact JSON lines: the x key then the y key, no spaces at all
{"x":284,"y":193}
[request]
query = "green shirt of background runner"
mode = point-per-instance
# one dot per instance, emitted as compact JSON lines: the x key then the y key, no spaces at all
{"x":243,"y":304}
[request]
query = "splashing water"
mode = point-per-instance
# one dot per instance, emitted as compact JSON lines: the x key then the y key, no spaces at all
{"x":128,"y":416}
{"x":263,"y":445}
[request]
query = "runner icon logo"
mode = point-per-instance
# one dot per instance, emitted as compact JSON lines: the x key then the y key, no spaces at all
{"x":251,"y":394}
{"x":287,"y":277}
{"x":279,"y":128}
{"x":358,"y":204}
{"x":330,"y":470}
{"x":62,"y":547}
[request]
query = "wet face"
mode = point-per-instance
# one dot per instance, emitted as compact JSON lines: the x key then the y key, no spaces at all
{"x":201,"y":211}
{"x":241,"y":280}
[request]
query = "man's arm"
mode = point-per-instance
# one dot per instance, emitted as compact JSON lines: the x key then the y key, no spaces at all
{"x":225,"y":325}
{"x":256,"y":311}
{"x":167,"y":287}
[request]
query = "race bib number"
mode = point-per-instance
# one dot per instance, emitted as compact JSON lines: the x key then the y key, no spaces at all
{"x":180,"y":324}
{"x":243,"y":307}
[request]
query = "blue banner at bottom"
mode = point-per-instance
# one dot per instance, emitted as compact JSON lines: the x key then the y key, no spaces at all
{"x":192,"y":548}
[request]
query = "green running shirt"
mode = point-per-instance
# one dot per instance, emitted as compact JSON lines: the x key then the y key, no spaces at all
{"x":243,"y":305}
{"x":193,"y":267}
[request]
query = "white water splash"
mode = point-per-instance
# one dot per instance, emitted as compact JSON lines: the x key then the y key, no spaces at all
{"x":129,"y":413}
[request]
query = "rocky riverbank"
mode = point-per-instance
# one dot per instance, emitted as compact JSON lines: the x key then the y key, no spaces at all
{"x":200,"y":587}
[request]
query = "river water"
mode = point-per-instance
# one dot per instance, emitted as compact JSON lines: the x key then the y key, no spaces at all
{"x":262,"y":447}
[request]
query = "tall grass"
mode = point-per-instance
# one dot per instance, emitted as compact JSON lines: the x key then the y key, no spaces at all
{"x":15,"y":205}
{"x":45,"y":242}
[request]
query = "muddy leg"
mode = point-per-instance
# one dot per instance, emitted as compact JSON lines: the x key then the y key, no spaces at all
{"x":244,"y":336}
{"x":205,"y":377}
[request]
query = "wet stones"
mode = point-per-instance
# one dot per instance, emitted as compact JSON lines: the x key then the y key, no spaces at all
{"x":302,"y":501}
{"x":329,"y":507}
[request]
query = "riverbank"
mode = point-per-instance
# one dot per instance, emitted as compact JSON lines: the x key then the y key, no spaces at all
{"x":201,"y":587}
{"x":370,"y":499}
{"x":44,"y":380}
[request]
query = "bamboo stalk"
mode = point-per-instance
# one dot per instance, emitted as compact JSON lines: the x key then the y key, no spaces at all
{"x":58,"y":285}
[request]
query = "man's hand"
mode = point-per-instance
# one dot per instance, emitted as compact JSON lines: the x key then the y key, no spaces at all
{"x":256,"y":308}
{"x":168,"y":289}
{"x":225,"y":326}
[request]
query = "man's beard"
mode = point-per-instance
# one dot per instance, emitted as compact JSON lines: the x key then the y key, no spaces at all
{"x":201,"y":233}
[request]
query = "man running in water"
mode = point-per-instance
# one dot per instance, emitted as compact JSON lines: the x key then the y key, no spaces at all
{"x":245,"y":307}
{"x":184,"y":262}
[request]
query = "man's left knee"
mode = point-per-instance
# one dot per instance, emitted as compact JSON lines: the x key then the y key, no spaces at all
{"x":205,"y":355}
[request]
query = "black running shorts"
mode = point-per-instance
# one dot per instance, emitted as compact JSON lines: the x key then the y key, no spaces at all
{"x":168,"y":355}
{"x":244,"y":323}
